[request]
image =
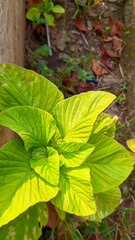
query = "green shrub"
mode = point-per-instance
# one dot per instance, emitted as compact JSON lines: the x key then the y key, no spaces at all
{"x":66,"y":154}
{"x":42,"y":12}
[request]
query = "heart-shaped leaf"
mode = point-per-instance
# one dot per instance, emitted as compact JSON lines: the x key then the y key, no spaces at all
{"x":20,"y":185}
{"x":35,"y":126}
{"x":46,"y":163}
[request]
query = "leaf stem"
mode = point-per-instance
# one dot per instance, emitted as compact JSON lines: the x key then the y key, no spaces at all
{"x":48,"y":39}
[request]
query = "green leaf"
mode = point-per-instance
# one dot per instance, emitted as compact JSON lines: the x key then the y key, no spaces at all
{"x":46,"y":163}
{"x":131,"y":144}
{"x":106,"y":203}
{"x":73,"y":154}
{"x":58,"y":9}
{"x":61,"y":214}
{"x":105,"y":125}
{"x":76,"y":115}
{"x":48,"y":6}
{"x":20,"y":185}
{"x":35,"y":126}
{"x":28,"y":225}
{"x":110,"y":163}
{"x":132,"y":156}
{"x":20,"y":87}
{"x":76,"y":193}
{"x":49,"y":18}
{"x":33,"y":14}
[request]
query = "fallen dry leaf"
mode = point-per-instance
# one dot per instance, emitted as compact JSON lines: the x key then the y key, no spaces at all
{"x":107,"y":62}
{"x":110,"y":53}
{"x":105,"y":55}
{"x":116,"y":43}
{"x":119,"y":27}
{"x":85,"y":87}
{"x":79,"y":23}
{"x":107,"y":39}
{"x":113,"y":27}
{"x":96,"y":24}
{"x":97,"y":69}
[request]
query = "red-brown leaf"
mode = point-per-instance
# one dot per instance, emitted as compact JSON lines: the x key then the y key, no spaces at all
{"x":79,"y":23}
{"x":96,"y":24}
{"x":113,"y":27}
{"x":110,"y":53}
{"x":106,"y":39}
{"x":85,"y":87}
{"x":105,"y":71}
{"x":116,"y":43}
{"x":102,"y":49}
{"x":107,"y":62}
{"x":96,"y":68}
{"x":120,"y":27}
{"x":105,"y":55}
{"x":67,"y":81}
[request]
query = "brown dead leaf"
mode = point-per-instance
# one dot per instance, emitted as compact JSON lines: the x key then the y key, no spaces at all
{"x":79,"y":23}
{"x":85,"y":87}
{"x":113,"y":27}
{"x":119,"y":27}
{"x":110,"y":53}
{"x":107,"y":62}
{"x":107,"y":39}
{"x":105,"y":55}
{"x":96,"y":24}
{"x":97,"y":69}
{"x":116,"y":43}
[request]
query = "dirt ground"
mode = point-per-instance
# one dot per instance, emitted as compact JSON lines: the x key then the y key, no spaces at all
{"x":68,"y":40}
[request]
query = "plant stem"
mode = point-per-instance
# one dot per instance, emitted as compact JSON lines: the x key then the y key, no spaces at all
{"x":48,"y":38}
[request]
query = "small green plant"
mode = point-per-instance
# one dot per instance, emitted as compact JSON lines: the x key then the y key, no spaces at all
{"x":68,"y":77}
{"x":43,"y":51}
{"x":66,"y":155}
{"x":42,"y":12}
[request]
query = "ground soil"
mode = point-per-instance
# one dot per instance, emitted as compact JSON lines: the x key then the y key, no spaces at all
{"x":66,"y":39}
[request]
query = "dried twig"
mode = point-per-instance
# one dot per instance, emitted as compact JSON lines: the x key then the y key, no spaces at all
{"x":108,"y":70}
{"x":121,"y":72}
{"x":48,"y":38}
{"x":85,"y":40}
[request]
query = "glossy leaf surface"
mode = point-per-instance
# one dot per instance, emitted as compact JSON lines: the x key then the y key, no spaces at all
{"x":20,"y":87}
{"x":73,"y":154}
{"x":35,"y":126}
{"x":76,"y":192}
{"x":105,"y":125}
{"x":106,"y":203}
{"x":28,"y":225}
{"x":20,"y":185}
{"x":76,"y":115}
{"x":110,"y":163}
{"x":46,"y":163}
